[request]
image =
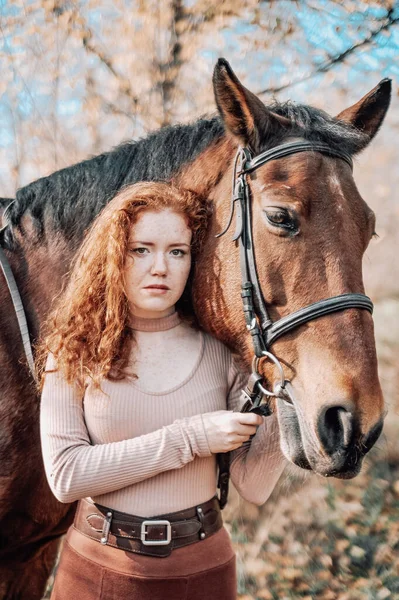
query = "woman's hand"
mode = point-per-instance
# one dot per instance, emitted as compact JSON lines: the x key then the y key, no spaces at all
{"x":227,"y":430}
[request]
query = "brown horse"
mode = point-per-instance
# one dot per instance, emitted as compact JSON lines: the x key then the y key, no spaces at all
{"x":310,"y":228}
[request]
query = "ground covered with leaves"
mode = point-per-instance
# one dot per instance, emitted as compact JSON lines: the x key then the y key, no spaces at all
{"x":329,"y":540}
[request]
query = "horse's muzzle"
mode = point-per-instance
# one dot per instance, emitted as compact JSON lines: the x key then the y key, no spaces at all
{"x":333,"y":447}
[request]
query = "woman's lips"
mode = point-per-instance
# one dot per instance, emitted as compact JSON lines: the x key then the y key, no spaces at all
{"x":157,"y":289}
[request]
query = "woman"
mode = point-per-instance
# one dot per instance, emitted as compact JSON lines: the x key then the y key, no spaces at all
{"x":136,"y":403}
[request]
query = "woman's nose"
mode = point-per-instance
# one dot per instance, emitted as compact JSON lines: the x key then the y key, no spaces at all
{"x":159,"y":266}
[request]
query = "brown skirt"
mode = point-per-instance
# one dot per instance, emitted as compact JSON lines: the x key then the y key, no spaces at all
{"x":205,"y":570}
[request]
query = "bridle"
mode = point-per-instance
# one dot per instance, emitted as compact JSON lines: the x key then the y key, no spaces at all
{"x":264,"y":332}
{"x":259,"y":324}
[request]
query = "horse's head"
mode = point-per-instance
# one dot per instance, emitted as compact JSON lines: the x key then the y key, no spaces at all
{"x":311,"y":228}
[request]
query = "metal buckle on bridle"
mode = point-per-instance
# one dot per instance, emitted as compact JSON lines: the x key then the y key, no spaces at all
{"x":242,"y":157}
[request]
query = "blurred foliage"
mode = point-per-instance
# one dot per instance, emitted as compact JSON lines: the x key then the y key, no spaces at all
{"x":337,"y":540}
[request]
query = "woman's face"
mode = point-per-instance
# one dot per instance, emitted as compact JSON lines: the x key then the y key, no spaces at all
{"x":158,"y":263}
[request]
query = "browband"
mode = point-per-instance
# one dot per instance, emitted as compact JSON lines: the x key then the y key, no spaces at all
{"x":293,"y":148}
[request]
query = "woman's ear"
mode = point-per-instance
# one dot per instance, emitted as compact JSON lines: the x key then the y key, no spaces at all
{"x":368,"y":114}
{"x":243,"y":114}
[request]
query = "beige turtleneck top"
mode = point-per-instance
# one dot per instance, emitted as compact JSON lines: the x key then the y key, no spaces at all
{"x":145,"y":452}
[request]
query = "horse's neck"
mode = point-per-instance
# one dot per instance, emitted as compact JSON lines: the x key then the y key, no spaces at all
{"x":38,"y":270}
{"x":205,"y":173}
{"x":210,"y":175}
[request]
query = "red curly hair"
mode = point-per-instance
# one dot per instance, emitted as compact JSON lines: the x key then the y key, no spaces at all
{"x":89,"y":325}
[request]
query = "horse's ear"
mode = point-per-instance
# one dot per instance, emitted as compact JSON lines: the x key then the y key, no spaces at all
{"x":368,"y":114}
{"x":243,"y":114}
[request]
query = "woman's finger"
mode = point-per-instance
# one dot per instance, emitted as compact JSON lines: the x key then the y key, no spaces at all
{"x":246,"y":429}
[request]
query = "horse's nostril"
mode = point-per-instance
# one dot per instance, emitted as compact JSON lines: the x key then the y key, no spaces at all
{"x":335,"y":428}
{"x":372,"y":437}
{"x":346,"y":423}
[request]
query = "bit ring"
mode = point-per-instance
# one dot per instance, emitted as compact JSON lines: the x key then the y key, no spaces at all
{"x":255,"y":365}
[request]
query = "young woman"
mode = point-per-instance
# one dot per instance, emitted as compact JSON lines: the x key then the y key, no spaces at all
{"x":136,"y":403}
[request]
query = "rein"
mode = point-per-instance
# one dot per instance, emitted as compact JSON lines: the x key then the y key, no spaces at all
{"x":17,"y":300}
{"x":263,"y":330}
{"x":19,"y":310}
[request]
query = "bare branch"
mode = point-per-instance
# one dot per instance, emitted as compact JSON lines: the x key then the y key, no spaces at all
{"x":169,"y":70}
{"x":124,"y":84}
{"x":390,"y":21}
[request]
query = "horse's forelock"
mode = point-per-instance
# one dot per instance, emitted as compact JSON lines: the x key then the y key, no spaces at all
{"x":314,"y":124}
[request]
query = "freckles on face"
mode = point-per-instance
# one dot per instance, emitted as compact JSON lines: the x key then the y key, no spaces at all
{"x":158,"y":262}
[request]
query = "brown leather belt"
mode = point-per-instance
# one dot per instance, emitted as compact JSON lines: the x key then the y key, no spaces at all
{"x":155,"y":536}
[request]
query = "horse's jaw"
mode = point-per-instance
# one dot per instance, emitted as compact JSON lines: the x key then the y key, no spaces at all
{"x":300,"y":443}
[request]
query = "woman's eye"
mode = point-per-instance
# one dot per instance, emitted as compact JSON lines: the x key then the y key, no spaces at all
{"x":139,"y":250}
{"x":281,"y":218}
{"x":177,"y":252}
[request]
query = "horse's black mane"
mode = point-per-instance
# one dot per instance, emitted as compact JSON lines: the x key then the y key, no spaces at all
{"x":69,"y":199}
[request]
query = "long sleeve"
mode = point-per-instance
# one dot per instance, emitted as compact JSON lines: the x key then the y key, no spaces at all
{"x":257,"y":465}
{"x":75,"y":468}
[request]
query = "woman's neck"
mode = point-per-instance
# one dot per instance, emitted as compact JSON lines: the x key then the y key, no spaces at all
{"x":154,"y":324}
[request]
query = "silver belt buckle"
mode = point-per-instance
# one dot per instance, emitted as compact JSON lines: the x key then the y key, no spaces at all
{"x":144,"y":532}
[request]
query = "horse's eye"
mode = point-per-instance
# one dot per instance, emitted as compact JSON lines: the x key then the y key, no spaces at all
{"x":279,"y":217}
